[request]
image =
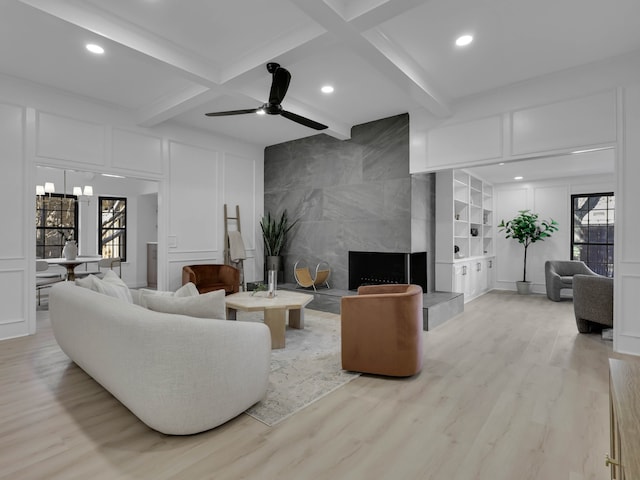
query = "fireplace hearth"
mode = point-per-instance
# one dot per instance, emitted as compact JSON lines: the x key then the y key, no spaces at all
{"x":377,"y":268}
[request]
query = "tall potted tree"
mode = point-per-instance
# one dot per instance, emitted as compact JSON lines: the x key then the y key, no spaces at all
{"x":274,"y":234}
{"x":527,"y":228}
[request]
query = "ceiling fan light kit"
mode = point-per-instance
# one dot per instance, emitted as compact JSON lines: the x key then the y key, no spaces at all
{"x":279,"y":86}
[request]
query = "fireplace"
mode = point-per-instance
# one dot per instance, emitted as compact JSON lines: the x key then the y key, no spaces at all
{"x":375,"y":268}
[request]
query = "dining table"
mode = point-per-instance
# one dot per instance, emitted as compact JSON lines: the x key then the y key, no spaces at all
{"x":70,"y":264}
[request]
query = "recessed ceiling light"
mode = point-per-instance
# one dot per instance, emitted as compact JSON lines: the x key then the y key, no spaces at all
{"x":327,"y":89}
{"x":501,"y":163}
{"x":93,"y":48}
{"x":517,"y":178}
{"x":464,"y":40}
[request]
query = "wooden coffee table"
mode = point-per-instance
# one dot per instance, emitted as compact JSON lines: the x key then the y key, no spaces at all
{"x":275,"y":310}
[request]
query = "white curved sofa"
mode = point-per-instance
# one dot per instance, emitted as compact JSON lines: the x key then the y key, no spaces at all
{"x":180,"y":375}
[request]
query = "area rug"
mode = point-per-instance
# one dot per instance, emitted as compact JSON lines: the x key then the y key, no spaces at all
{"x":307,"y":369}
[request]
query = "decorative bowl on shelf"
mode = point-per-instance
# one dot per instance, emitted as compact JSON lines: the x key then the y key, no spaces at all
{"x":474,"y":232}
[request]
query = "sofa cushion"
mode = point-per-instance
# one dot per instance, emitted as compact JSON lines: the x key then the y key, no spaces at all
{"x":187,"y":290}
{"x":113,"y":286}
{"x":86,"y":282}
{"x":207,"y":305}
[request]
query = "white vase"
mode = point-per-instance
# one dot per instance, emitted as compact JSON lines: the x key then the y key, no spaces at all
{"x":70,"y":250}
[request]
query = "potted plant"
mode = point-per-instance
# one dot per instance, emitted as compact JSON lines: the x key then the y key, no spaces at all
{"x":527,"y":228}
{"x":274,"y":234}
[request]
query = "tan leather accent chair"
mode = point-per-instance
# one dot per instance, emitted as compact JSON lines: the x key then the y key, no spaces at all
{"x":382,"y":330}
{"x":208,"y":278}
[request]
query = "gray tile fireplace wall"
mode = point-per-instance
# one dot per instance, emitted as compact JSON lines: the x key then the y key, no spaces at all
{"x":354,"y":194}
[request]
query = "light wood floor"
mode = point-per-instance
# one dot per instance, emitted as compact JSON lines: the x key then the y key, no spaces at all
{"x":509,"y":390}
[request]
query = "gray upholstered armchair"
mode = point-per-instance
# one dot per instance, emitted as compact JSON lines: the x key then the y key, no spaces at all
{"x":559,"y":274}
{"x":592,"y":301}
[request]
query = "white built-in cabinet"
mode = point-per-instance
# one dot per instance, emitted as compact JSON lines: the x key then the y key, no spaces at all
{"x":464,"y":234}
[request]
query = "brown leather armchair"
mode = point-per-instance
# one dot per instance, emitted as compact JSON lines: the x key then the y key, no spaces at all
{"x":382,"y":330}
{"x":208,"y":278}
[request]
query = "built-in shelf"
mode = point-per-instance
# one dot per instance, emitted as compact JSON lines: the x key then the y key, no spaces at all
{"x":464,"y":233}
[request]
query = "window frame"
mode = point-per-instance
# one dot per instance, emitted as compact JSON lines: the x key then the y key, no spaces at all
{"x":609,"y":243}
{"x":42,"y":212}
{"x":101,"y":229}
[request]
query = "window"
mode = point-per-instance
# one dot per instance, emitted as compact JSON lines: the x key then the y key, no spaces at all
{"x":593,"y":225}
{"x":112,"y":234}
{"x":56,"y":222}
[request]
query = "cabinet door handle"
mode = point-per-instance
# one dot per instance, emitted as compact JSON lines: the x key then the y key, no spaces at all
{"x":490,"y":263}
{"x":478,"y":267}
{"x":464,"y":269}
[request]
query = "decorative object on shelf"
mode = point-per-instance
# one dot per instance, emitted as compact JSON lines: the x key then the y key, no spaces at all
{"x":457,"y":216}
{"x":70,"y":250}
{"x":456,"y":251}
{"x":527,"y":228}
{"x":474,"y":232}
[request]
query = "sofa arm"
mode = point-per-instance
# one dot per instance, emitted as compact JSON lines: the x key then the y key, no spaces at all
{"x":229,"y":275}
{"x":593,"y":298}
{"x":188,"y":275}
{"x":382,"y":289}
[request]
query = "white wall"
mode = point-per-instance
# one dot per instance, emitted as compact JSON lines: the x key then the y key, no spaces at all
{"x":196,"y":174}
{"x":550,"y":199}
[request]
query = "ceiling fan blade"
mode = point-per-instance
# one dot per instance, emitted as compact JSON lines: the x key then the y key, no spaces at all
{"x":232,"y":112}
{"x":303,"y":121}
{"x":279,"y":85}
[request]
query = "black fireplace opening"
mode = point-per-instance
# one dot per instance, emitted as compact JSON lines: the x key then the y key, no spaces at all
{"x":379,"y":268}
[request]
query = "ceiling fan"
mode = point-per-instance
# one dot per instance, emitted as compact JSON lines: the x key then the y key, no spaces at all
{"x":279,"y":86}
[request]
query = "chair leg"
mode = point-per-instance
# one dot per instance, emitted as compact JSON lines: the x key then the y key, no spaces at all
{"x":584,"y":326}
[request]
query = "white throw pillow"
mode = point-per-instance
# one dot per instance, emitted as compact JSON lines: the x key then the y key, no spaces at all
{"x":206,"y":305}
{"x":86,"y":282}
{"x":187,"y":290}
{"x":113,"y":286}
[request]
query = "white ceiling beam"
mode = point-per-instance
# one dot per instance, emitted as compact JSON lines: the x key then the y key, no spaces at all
{"x":373,"y":16}
{"x":169,"y":107}
{"x":384,"y":56}
{"x":298,"y":43}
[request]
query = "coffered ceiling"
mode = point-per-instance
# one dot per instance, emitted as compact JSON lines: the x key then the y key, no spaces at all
{"x":168,"y":60}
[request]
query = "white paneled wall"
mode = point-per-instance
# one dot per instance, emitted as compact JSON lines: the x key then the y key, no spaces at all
{"x":240,"y":176}
{"x":193,"y":170}
{"x":194,"y":211}
{"x":14,"y":271}
{"x":573,"y":123}
{"x":69,"y":139}
{"x":549,"y":201}
{"x":137,"y":152}
{"x":627,"y":253}
{"x":482,"y":141}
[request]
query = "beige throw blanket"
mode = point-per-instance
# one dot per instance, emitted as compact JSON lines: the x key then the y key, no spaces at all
{"x":236,"y":247}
